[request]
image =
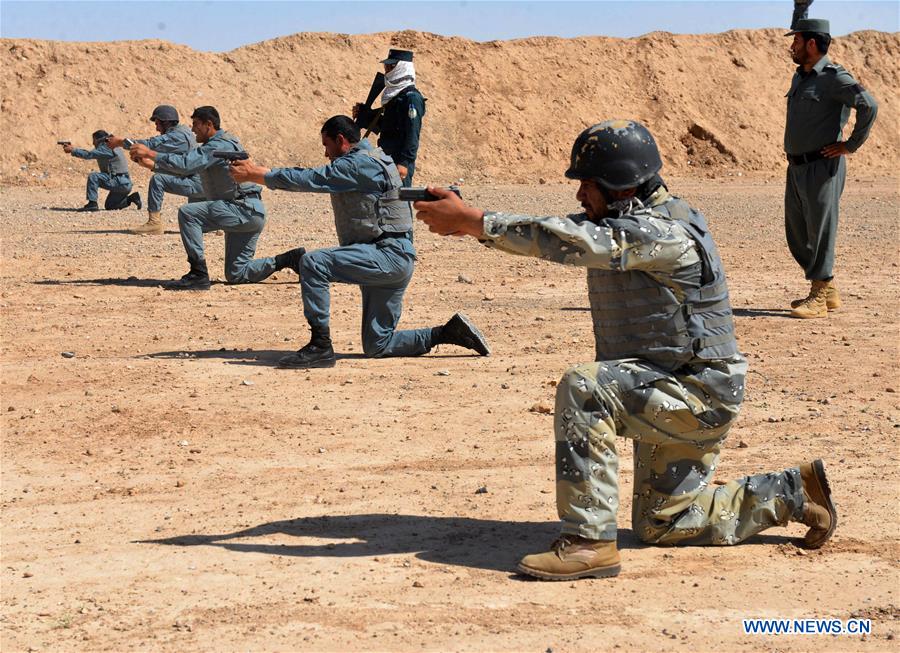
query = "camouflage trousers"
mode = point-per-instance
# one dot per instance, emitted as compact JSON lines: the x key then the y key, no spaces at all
{"x":677,"y":427}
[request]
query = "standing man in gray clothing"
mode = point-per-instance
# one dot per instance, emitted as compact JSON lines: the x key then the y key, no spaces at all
{"x":235,"y":209}
{"x":818,"y":106}
{"x":176,"y":138}
{"x":113,"y":175}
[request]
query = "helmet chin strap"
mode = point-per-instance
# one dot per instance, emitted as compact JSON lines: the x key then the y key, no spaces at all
{"x":625,"y":206}
{"x":634,"y":203}
{"x":616,"y":208}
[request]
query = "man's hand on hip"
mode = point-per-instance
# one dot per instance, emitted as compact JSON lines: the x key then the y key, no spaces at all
{"x":835,"y":150}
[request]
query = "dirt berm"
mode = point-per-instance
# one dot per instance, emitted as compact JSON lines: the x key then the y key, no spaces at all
{"x":503,"y":110}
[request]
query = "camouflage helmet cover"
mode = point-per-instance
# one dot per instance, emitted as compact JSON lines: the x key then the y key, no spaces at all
{"x":617,"y":154}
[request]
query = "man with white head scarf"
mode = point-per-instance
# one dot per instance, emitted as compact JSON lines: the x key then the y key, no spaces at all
{"x":403,"y":107}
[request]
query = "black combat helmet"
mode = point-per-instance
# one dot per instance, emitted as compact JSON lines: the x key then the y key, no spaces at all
{"x":617,"y":154}
{"x":164,"y":112}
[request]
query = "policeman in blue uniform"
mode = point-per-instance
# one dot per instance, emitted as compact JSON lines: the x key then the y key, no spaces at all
{"x":235,"y":209}
{"x":173,"y":137}
{"x":113,"y":175}
{"x":376,"y":252}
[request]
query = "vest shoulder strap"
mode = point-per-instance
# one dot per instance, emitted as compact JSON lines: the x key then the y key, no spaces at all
{"x":378,"y":155}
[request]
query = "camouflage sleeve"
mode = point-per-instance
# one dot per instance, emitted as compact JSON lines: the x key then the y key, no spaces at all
{"x":631,"y":243}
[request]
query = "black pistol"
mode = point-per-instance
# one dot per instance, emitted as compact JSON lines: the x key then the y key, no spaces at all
{"x":231,"y":156}
{"x":63,"y":142}
{"x":421,"y":194}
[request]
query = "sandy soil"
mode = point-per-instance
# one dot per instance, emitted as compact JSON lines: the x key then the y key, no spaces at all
{"x":167,"y":489}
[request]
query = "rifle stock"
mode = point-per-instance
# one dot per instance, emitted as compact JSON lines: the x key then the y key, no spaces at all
{"x":368,"y":118}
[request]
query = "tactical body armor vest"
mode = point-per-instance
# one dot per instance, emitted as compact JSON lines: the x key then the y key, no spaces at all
{"x":361,"y":217}
{"x":216,"y":180}
{"x":118,"y":165}
{"x":668,"y":321}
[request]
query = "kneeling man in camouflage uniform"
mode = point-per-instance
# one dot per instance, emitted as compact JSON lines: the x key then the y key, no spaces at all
{"x":668,"y":373}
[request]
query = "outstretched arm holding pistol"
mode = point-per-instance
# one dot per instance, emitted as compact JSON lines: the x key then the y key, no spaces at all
{"x":246,"y":170}
{"x":448,"y":215}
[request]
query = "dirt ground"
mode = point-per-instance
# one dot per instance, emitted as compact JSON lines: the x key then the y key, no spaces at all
{"x":166,"y":488}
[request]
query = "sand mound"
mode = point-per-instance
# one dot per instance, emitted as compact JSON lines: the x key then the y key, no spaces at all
{"x":502,"y":110}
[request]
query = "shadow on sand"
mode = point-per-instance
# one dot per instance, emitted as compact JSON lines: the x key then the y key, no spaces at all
{"x":111,"y":281}
{"x":761,"y":312}
{"x":460,"y":541}
{"x":264,"y":357}
{"x":113,"y":231}
{"x":147,"y":283}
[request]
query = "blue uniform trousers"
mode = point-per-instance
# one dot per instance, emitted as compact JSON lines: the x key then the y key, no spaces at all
{"x":382,"y":270}
{"x":811,"y":198}
{"x":119,"y":184}
{"x":161,"y":183}
{"x":242,"y":221}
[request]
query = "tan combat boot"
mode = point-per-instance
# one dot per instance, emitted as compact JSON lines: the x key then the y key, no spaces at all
{"x":815,"y":305}
{"x":573,"y":557}
{"x":819,"y":512}
{"x":153,"y":226}
{"x":832,"y":297}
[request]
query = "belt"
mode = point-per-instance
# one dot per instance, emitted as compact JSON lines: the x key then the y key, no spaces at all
{"x":254,"y":194}
{"x":390,"y":234}
{"x":800,"y":159}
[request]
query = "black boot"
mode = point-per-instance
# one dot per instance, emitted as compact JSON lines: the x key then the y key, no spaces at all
{"x":196,"y":279}
{"x":459,"y":330}
{"x":317,"y":353}
{"x":135,"y":198}
{"x":290,"y":259}
{"x":90,"y":206}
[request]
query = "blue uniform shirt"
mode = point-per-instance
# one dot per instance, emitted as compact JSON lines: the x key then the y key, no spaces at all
{"x":176,"y":139}
{"x":353,"y":171}
{"x":108,"y":160}
{"x":214,"y":174}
